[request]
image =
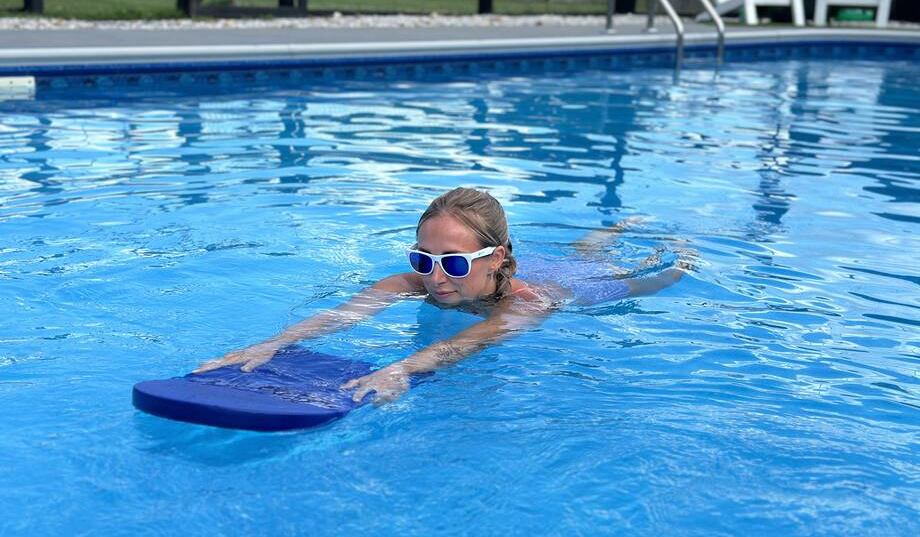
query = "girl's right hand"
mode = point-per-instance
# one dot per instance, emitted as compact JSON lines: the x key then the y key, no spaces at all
{"x":250,"y":357}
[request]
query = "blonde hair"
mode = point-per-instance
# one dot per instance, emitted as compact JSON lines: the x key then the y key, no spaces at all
{"x":484,"y":216}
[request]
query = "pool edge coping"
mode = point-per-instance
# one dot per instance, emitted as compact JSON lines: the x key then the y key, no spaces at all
{"x":46,"y":58}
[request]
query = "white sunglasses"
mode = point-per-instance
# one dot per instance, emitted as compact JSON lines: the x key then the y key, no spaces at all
{"x":454,"y":265}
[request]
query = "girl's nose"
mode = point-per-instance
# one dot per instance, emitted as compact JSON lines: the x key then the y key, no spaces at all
{"x":437,"y":275}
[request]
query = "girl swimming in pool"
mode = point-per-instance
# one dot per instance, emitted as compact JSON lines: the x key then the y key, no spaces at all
{"x":462,"y":258}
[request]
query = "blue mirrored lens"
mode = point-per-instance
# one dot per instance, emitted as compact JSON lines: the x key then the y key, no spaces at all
{"x":420,"y":262}
{"x":455,"y":265}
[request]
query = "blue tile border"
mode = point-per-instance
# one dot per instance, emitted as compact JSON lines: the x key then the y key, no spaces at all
{"x":437,"y":67}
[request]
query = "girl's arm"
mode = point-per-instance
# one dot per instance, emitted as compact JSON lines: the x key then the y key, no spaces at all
{"x":364,"y":304}
{"x":509,"y":317}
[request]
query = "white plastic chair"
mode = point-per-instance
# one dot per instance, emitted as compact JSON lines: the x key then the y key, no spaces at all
{"x":750,"y":10}
{"x":882,"y":9}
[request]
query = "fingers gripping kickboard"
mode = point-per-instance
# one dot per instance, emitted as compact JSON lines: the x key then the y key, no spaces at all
{"x":297,"y":389}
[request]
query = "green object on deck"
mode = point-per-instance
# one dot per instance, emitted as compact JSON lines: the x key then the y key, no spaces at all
{"x":855,"y":15}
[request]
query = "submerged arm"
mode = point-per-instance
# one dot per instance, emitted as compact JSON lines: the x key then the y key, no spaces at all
{"x":652,"y":284}
{"x":595,"y":243}
{"x":507,"y":319}
{"x":364,"y":304}
{"x":465,"y":343}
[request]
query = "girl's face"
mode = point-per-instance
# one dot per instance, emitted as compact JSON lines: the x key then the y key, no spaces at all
{"x":445,"y":234}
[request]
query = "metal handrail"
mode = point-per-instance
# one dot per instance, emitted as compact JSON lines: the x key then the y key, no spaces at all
{"x":678,"y":25}
{"x":611,"y":7}
{"x":720,"y":29}
{"x":675,"y":20}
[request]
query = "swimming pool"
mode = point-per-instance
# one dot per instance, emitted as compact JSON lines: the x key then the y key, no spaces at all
{"x":146,"y":227}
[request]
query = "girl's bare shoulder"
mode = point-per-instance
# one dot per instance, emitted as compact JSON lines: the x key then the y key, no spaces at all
{"x":542,"y":293}
{"x":522,"y":290}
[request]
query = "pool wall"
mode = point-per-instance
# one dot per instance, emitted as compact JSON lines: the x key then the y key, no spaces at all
{"x":626,"y":50}
{"x":424,"y":61}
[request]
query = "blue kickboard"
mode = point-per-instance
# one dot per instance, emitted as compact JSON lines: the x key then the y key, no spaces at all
{"x":297,"y":389}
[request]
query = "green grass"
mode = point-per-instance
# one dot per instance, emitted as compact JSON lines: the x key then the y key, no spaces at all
{"x":166,"y":9}
{"x":99,"y":9}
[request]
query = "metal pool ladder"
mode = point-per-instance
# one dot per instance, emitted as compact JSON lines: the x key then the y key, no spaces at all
{"x":679,"y":26}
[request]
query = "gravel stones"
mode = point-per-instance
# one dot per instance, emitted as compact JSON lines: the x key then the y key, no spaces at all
{"x":335,"y":21}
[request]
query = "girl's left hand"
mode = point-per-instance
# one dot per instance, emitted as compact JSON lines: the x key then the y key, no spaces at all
{"x":388,"y":383}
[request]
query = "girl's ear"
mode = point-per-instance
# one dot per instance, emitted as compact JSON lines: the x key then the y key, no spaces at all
{"x":498,"y":257}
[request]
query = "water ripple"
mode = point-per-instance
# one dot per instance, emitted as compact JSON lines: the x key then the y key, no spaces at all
{"x":774,"y":390}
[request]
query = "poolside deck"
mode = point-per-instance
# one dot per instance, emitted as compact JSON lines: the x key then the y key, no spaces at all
{"x":20,"y":47}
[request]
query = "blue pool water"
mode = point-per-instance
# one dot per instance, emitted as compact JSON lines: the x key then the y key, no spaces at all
{"x":774,"y":391}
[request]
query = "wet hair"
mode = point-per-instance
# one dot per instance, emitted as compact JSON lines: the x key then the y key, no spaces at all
{"x":484,"y":216}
